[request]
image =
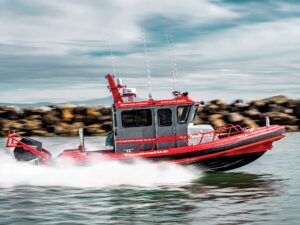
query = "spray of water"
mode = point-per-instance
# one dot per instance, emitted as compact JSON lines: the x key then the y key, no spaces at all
{"x":100,"y":174}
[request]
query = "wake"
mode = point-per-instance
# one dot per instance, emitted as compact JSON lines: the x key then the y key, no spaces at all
{"x":98,"y":174}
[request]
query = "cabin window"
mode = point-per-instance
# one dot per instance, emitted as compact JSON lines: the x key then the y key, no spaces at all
{"x":136,"y":118}
{"x":183,"y":113}
{"x":194,"y":110}
{"x":164,"y":117}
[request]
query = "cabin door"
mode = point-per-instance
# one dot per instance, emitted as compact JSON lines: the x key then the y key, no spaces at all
{"x":133,"y":127}
{"x":165,"y":127}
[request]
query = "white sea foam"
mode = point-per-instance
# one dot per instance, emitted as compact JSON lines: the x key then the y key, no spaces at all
{"x":100,"y":174}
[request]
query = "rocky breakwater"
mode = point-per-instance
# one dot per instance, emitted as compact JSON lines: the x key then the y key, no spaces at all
{"x":66,"y":119}
{"x":62,"y":120}
{"x":280,"y":109}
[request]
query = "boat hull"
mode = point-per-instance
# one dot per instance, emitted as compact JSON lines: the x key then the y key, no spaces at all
{"x":221,"y":155}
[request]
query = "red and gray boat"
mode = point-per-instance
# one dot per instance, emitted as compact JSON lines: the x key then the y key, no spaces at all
{"x":160,"y":131}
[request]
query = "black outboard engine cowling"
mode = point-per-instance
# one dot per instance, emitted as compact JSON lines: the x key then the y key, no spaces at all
{"x":21,"y":154}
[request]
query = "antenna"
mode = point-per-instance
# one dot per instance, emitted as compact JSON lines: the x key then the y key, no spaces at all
{"x":174,"y":60}
{"x":112,"y":57}
{"x":147,"y":64}
{"x":170,"y":57}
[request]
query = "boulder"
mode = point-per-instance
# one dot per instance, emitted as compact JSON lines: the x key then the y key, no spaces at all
{"x":218,"y":102}
{"x":42,"y":133}
{"x":291,"y":128}
{"x":105,"y":111}
{"x":63,"y":125}
{"x":4,"y":114}
{"x":104,"y":118}
{"x":93,"y":115}
{"x":10,"y":112}
{"x":197,"y":120}
{"x":58,"y":130}
{"x":240,"y":105}
{"x":218,"y":123}
{"x":291,"y":103}
{"x":93,"y":112}
{"x":79,"y":118}
{"x":50,"y":129}
{"x":31,"y":125}
{"x":250,"y":123}
{"x":212,"y":108}
{"x":237,"y":101}
{"x":34,"y":117}
{"x":5,"y":123}
{"x":289,"y":111}
{"x":275,"y":108}
{"x":278,"y":100}
{"x":50,"y":118}
{"x":80,"y":110}
{"x":106,"y":126}
{"x":297,"y":111}
{"x":215,"y":117}
{"x":71,"y":132}
{"x":253,"y":113}
{"x":17,"y":126}
{"x":260,"y":105}
{"x":67,"y":113}
{"x":95,"y":132}
{"x":257,"y":103}
{"x":204,"y":116}
{"x":234,"y":118}
{"x":97,"y":126}
{"x":282,"y":118}
{"x":76,"y":125}
{"x":200,"y":109}
{"x":33,"y":111}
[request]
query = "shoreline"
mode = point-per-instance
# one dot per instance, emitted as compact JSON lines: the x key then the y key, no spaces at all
{"x":65,"y":120}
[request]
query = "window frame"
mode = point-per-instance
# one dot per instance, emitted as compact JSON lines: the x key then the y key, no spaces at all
{"x":159,"y":120}
{"x":137,"y":124}
{"x":188,"y":113}
{"x":196,"y":106}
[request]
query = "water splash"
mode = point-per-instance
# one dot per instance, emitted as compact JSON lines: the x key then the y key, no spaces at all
{"x":100,"y":174}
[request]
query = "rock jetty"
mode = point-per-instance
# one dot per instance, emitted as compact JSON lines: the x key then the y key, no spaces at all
{"x":64,"y":120}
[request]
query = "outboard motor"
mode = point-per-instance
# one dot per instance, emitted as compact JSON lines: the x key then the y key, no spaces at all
{"x":22,"y":154}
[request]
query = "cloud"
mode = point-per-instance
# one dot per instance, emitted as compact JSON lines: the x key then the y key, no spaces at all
{"x":56,"y":21}
{"x":255,"y":40}
{"x":49,"y":49}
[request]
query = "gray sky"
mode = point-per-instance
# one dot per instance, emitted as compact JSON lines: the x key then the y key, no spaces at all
{"x":59,"y":51}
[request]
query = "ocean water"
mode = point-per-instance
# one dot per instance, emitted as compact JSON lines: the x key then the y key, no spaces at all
{"x":264,"y":192}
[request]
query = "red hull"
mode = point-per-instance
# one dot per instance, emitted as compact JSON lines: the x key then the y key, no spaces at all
{"x":254,"y":142}
{"x":230,"y":151}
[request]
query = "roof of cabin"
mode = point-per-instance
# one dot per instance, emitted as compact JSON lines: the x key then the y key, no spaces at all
{"x":180,"y":100}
